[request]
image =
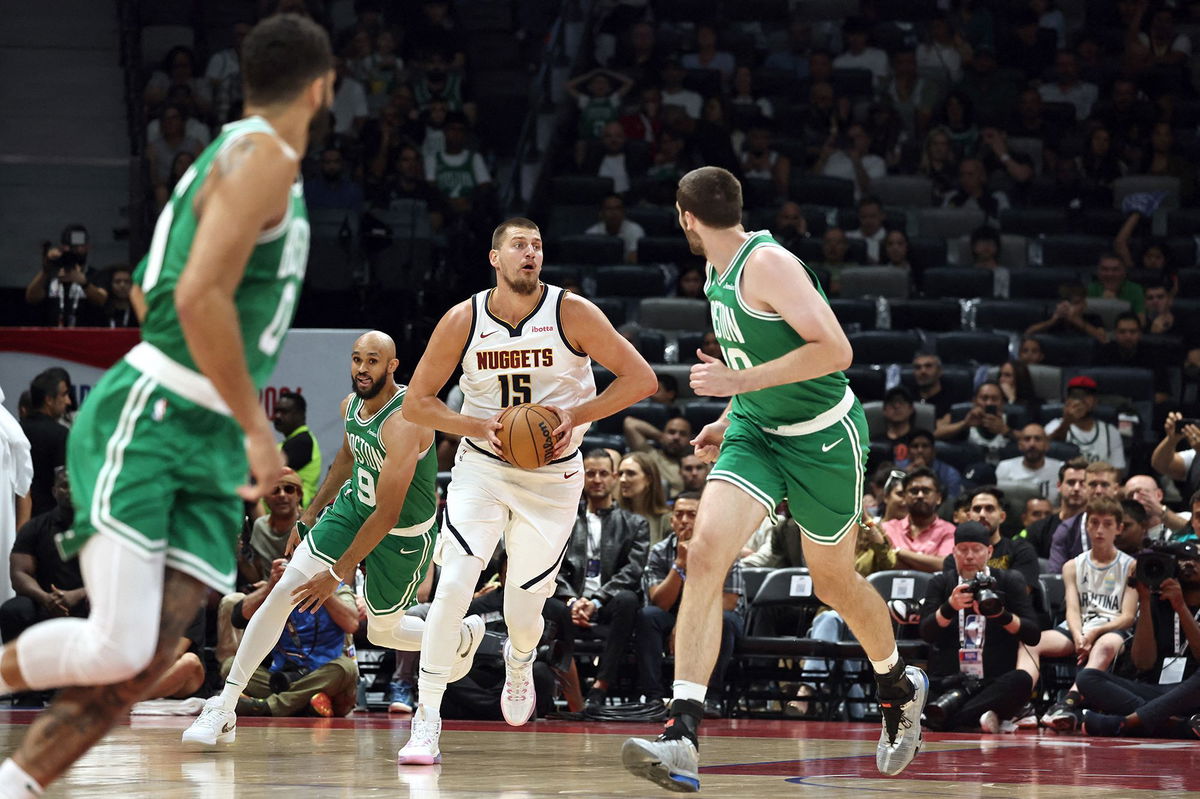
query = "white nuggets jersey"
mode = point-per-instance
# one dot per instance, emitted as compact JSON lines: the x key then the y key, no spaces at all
{"x":1100,"y":588}
{"x":504,"y":366}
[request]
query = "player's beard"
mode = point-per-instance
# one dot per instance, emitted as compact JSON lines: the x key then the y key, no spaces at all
{"x":368,"y":393}
{"x":694,"y":242}
{"x":523,"y":284}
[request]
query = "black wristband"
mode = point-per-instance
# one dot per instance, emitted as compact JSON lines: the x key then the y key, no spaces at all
{"x":946,"y":610}
{"x":1003,"y":618}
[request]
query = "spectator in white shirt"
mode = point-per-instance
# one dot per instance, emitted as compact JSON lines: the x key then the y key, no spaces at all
{"x":224,"y":74}
{"x":707,"y":56}
{"x":1068,"y":88}
{"x":870,"y":226}
{"x":858,"y":55}
{"x":849,"y":156}
{"x":349,"y":102}
{"x":1032,"y":469}
{"x":613,"y":223}
{"x":1097,"y":440}
{"x":673,"y":92}
{"x":944,"y":51}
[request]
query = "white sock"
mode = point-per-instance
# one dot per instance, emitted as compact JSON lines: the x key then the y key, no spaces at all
{"x":683,"y":689}
{"x":517,"y":656}
{"x":886,"y":665}
{"x":15,"y":783}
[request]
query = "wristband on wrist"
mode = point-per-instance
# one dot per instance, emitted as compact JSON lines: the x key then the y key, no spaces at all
{"x":334,"y":575}
{"x":947,"y":610}
{"x":1003,"y":618}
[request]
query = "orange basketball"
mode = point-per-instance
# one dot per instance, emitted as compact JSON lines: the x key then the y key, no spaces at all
{"x":526,"y":435}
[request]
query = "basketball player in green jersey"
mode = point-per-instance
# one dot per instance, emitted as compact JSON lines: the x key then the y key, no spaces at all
{"x":794,"y":430}
{"x":383,"y":486}
{"x":159,"y":449}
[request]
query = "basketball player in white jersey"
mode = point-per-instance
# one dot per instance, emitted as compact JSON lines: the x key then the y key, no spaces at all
{"x":523,"y":341}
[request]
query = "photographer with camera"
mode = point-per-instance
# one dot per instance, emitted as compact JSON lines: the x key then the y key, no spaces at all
{"x":64,"y":282}
{"x":974,"y":617}
{"x":1100,"y":611}
{"x":1179,"y":465}
{"x":1165,"y":650}
{"x":312,"y":668}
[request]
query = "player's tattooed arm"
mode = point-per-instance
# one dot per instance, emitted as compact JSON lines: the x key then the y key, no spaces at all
{"x":235,"y":156}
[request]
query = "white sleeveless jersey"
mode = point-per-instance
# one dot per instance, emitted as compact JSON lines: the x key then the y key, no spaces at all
{"x":504,"y":366}
{"x":1100,"y":588}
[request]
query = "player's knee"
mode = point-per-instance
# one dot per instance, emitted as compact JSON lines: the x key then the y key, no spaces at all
{"x":381,"y":630}
{"x":115,"y":661}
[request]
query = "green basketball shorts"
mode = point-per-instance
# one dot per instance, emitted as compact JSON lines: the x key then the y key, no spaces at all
{"x":819,"y":473}
{"x":395,"y":568}
{"x":158,"y":473}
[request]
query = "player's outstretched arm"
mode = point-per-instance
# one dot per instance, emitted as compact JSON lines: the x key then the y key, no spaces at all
{"x":442,"y":356}
{"x":774,"y":281}
{"x":588,"y":330}
{"x":404,"y":442}
{"x":251,"y":183}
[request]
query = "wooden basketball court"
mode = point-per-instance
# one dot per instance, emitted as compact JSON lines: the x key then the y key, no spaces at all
{"x":355,"y":757}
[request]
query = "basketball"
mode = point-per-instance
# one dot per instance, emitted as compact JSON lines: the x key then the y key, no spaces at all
{"x":526,"y":435}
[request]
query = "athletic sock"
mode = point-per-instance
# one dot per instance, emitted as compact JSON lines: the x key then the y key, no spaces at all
{"x":684,"y":720}
{"x":15,"y":783}
{"x":430,"y":689}
{"x":230,"y":695}
{"x":692,"y":691}
{"x":888,"y":664}
{"x":517,"y":656}
{"x":895,"y":685}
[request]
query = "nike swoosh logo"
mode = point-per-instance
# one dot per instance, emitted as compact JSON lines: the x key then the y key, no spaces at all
{"x":228,"y":728}
{"x":827,"y":447}
{"x":485,"y":335}
{"x":409,"y":551}
{"x":572,"y":474}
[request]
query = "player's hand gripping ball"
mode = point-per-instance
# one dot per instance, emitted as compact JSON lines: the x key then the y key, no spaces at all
{"x":526,"y":435}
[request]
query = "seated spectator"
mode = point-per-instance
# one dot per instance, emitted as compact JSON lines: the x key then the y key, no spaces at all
{"x":669,"y":164}
{"x":458,"y":172}
{"x":640,"y":491}
{"x":1099,"y":161}
{"x":990,"y":89}
{"x":407,"y":182}
{"x":1068,"y":88}
{"x":179,"y":68}
{"x":383,"y":68}
{"x":748,"y":104}
{"x":985,"y":425}
{"x":707,"y":56}
{"x":601,"y":576}
{"x":662,"y":582}
{"x":870,"y":227}
{"x":834,"y":247}
{"x":1028,"y":121}
{"x":599,"y":103}
{"x":985,"y":254}
{"x":646,"y":121}
{"x":694,"y":472}
{"x":973,"y":655}
{"x":172,"y":140}
{"x":791,"y":226}
{"x":1191,"y":532}
{"x":927,"y":374}
{"x":939,"y":163}
{"x":185,"y":676}
{"x":704,"y":141}
{"x":63,"y":286}
{"x":439,"y":78}
{"x":613,"y":222}
{"x":1128,"y":349}
{"x":848,"y":155}
{"x":1101,"y":482}
{"x":1100,"y":608}
{"x":985,"y":505}
{"x":943,"y":52}
{"x":1132,"y":535}
{"x":1017,"y":168}
{"x":667,"y":393}
{"x":1066,"y":520}
{"x":299,"y":445}
{"x":673,"y":443}
{"x":1165,"y":650}
{"x":312,"y":668}
{"x":638,"y":54}
{"x":895,"y":251}
{"x":614,"y":158}
{"x":1027,"y":47}
{"x":673,"y":91}
{"x":921,"y":539}
{"x":1031,"y":469}
{"x":1160,"y":521}
{"x":761,"y":162}
{"x":793,"y":58}
{"x":711,"y":347}
{"x":46,"y":586}
{"x":1160,"y":44}
{"x":193,"y":127}
{"x":921,"y":453}
{"x":912,"y":96}
{"x":893,"y":501}
{"x":1016,"y":382}
{"x":1070,"y":316}
{"x":957,"y":115}
{"x":1112,"y":282}
{"x":118,"y":309}
{"x":333,"y":187}
{"x":1030,"y":351}
{"x":1163,"y":158}
{"x":859,"y":55}
{"x":1183,"y":465}
{"x":972,"y":193}
{"x":266,"y":539}
{"x":49,"y":397}
{"x":1036,"y":509}
{"x":1097,"y":440}
{"x":224,"y":76}
{"x":898,"y":416}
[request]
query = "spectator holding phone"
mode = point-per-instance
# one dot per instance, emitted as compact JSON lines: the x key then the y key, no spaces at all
{"x":984,"y":425}
{"x":1178,"y":465}
{"x":64,"y":283}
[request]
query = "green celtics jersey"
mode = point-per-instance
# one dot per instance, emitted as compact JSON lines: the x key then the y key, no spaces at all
{"x":749,"y":337}
{"x":366,"y":443}
{"x":265,"y":298}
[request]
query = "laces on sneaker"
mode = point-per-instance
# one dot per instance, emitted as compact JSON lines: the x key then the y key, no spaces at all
{"x":894,"y":718}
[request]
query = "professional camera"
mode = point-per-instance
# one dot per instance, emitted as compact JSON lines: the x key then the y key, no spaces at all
{"x":1159,"y":561}
{"x":983,"y":586}
{"x":958,"y":689}
{"x":283,"y":679}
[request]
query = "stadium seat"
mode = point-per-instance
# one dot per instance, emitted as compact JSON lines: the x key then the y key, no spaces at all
{"x":1133,"y":184}
{"x":1099,"y":222}
{"x":1014,"y":251}
{"x":1067,"y":350}
{"x":1047,"y":380}
{"x":958,"y":281}
{"x":629,"y":281}
{"x":884,"y":346}
{"x":1072,"y":249}
{"x":589,"y":249}
{"x":906,"y":191}
{"x":852,"y":82}
{"x":580,"y":190}
{"x":820,"y":190}
{"x":947,"y":223}
{"x":961,"y":347}
{"x":866,"y":381}
{"x":1040,"y":283}
{"x":958,"y":381}
{"x":927,"y":253}
{"x":1123,"y":381}
{"x":924,"y":419}
{"x":1033,"y":222}
{"x":1014,"y":315}
{"x":703,"y":411}
{"x":602,"y":377}
{"x":557,"y":274}
{"x":655,"y":219}
{"x":651,"y":344}
{"x":674,"y":313}
{"x":854,"y":312}
{"x":1108,"y":309}
{"x":649,"y":411}
{"x":671,"y":249}
{"x":613,"y":308}
{"x":1183,"y":222}
{"x":682,"y":373}
{"x":874,"y":281}
{"x":569,"y":219}
{"x":935,"y":315}
{"x":958,"y":455}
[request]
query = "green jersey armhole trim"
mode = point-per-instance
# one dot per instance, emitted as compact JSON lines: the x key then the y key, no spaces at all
{"x":395,"y":410}
{"x":402,"y":390}
{"x":737,"y":288}
{"x":722,"y":280}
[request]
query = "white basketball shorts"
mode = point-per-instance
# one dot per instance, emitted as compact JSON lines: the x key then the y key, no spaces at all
{"x":533,"y":510}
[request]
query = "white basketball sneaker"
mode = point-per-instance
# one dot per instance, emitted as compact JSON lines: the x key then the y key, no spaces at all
{"x":422,"y":748}
{"x":475,"y":630}
{"x":215,"y":725}
{"x":518,"y":701}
